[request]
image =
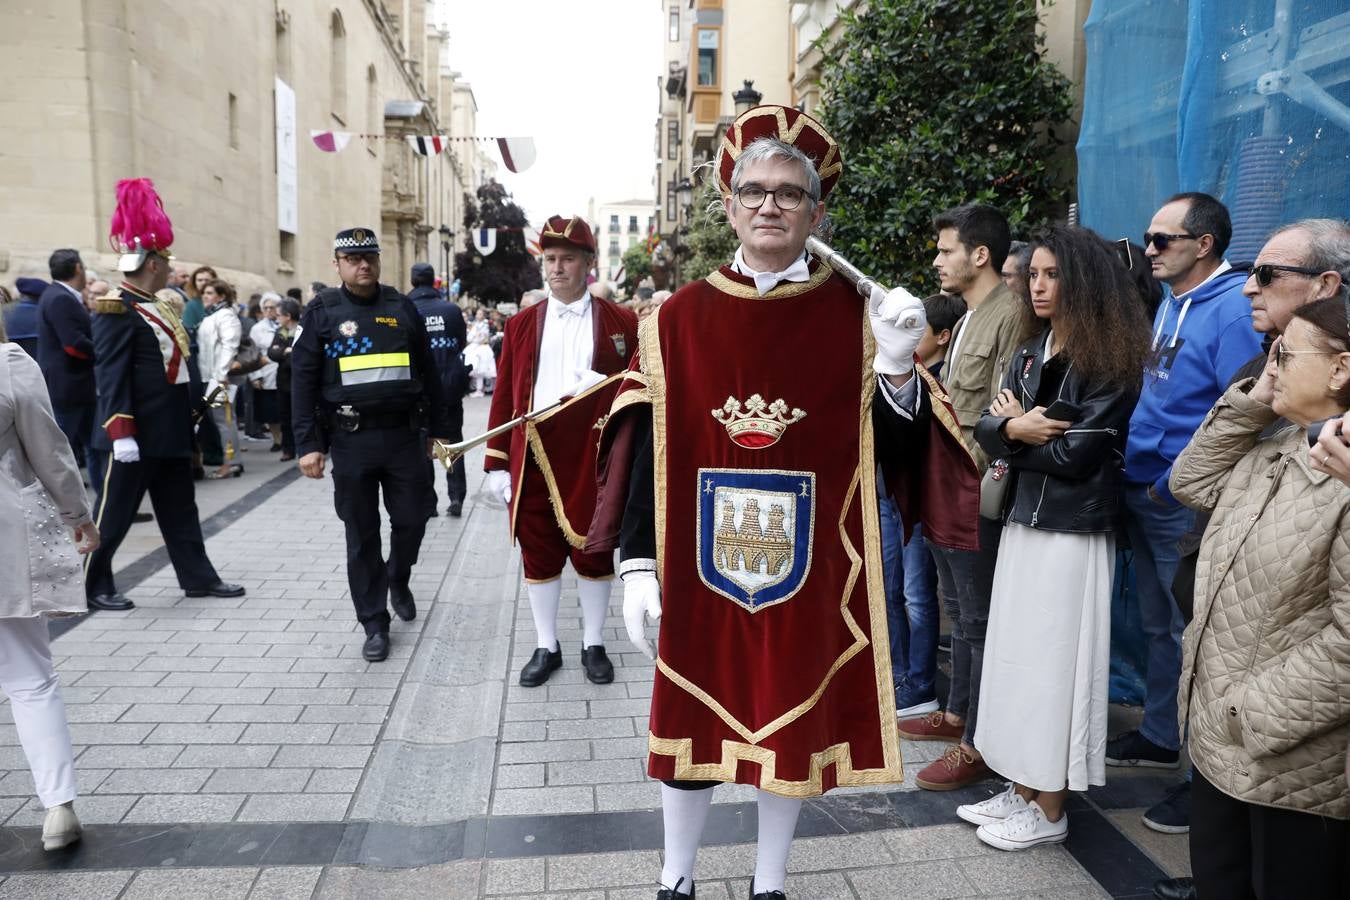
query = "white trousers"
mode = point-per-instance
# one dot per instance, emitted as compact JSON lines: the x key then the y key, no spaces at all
{"x":27,"y":678}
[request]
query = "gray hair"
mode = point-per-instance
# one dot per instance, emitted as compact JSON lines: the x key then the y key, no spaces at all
{"x":1327,"y":247}
{"x":768,"y":148}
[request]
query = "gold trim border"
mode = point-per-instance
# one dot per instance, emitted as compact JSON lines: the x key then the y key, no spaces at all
{"x":780,"y":292}
{"x":576,"y":539}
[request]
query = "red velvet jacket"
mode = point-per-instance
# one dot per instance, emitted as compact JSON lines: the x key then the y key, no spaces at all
{"x":615,"y":343}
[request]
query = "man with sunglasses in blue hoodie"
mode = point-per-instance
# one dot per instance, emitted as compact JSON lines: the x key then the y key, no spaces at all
{"x":1202,"y":334}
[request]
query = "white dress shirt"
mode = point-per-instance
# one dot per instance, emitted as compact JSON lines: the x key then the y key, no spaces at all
{"x":568,"y":346}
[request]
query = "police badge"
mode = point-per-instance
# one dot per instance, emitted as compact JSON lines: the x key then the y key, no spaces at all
{"x":347,"y":329}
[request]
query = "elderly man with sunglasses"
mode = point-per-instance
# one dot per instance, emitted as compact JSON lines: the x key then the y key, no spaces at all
{"x":1202,"y":334}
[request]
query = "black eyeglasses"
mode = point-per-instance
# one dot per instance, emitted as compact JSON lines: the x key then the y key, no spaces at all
{"x":788,"y":197}
{"x":1162,"y":239}
{"x":1265,"y":273}
{"x":357,"y":258}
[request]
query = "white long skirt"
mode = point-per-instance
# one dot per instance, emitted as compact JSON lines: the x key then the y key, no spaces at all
{"x":1047,"y":655}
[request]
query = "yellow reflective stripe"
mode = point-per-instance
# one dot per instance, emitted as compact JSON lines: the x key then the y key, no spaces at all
{"x":373,"y":361}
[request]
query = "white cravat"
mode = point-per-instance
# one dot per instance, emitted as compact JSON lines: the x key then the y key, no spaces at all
{"x":767,"y":281}
{"x":568,"y":345}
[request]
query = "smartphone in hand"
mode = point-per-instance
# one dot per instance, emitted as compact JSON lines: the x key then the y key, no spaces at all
{"x":1315,"y":432}
{"x":1063,"y":411}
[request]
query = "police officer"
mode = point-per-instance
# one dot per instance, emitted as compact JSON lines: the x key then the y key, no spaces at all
{"x":444,"y":322}
{"x":364,"y":385}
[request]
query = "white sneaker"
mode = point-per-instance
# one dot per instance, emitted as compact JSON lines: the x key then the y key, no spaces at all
{"x":995,"y":809}
{"x":61,"y":828}
{"x":1025,"y":829}
{"x":918,"y":709}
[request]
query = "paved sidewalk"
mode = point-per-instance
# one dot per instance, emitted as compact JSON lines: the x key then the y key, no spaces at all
{"x":242,"y":748}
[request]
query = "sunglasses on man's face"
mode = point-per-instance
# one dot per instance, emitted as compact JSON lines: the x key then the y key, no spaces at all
{"x":1266,"y":272}
{"x":1161,"y":239}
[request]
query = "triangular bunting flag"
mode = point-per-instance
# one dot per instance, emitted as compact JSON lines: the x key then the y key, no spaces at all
{"x":531,"y":236}
{"x":427,"y":144}
{"x":517,"y":152}
{"x":485,"y":240}
{"x":330,"y":141}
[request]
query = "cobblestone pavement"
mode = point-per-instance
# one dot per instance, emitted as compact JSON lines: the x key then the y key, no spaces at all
{"x":242,"y":748}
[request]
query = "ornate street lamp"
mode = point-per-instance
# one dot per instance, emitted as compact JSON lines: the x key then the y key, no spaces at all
{"x":747,"y":98}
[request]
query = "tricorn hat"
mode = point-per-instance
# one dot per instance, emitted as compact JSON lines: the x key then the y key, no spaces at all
{"x":139,"y":224}
{"x":574,"y":232}
{"x":788,"y":125}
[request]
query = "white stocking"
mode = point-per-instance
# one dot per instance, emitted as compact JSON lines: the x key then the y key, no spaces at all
{"x":685,"y":813}
{"x":544,"y":597}
{"x":594,"y":608}
{"x":777,"y":822}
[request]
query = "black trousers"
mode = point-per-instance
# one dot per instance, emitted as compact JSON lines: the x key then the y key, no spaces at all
{"x":1241,"y":850}
{"x":456,"y":481}
{"x":364,"y":463}
{"x":169,"y":481}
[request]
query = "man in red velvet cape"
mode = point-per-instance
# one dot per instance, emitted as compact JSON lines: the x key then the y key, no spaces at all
{"x":738,"y":471}
{"x":544,"y":470}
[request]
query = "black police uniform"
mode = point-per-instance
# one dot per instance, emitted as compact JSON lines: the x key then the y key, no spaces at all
{"x":140,"y":368}
{"x":447,"y":335}
{"x":362,"y":383}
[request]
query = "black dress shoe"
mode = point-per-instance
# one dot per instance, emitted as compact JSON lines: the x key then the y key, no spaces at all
{"x":376,"y":647}
{"x":540,"y":666}
{"x":456,"y":509}
{"x":675,"y":893}
{"x":113,"y":602}
{"x":765,"y":895}
{"x":1174,"y":889}
{"x":142,"y":517}
{"x":402,"y":600}
{"x":219,"y":589}
{"x":599,"y":670}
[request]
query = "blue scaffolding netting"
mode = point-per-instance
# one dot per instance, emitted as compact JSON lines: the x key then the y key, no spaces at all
{"x":1248,"y":100}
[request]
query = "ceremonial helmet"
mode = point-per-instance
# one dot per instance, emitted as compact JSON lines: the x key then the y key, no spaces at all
{"x":789,"y":125}
{"x":567,"y":232}
{"x":139,"y":224}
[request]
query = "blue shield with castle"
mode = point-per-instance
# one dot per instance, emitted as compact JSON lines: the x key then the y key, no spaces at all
{"x":754,"y":533}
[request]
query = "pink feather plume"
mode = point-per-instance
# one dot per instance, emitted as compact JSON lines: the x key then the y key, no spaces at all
{"x":139,"y":221}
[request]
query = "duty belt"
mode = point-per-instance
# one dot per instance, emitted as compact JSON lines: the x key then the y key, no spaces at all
{"x":346,"y":418}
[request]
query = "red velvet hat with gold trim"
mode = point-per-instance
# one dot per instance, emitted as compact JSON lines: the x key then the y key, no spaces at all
{"x":573,"y":232}
{"x":788,"y":125}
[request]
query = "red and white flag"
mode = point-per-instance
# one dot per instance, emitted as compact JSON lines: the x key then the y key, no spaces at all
{"x":330,"y":141}
{"x":531,"y":235}
{"x":428,"y":144}
{"x":517,"y":152}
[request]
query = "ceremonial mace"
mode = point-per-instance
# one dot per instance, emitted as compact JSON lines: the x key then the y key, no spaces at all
{"x":865,"y":284}
{"x":449,"y":454}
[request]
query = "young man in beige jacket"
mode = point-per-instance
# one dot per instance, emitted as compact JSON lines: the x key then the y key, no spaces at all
{"x":972,"y":244}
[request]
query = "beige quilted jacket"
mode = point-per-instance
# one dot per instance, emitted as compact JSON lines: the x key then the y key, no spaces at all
{"x":1266,"y":665}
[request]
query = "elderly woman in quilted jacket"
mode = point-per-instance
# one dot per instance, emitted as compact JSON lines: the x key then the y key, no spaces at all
{"x":1265,"y":682}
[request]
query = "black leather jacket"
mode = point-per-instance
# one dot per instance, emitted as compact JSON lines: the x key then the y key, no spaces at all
{"x":1073,"y":482}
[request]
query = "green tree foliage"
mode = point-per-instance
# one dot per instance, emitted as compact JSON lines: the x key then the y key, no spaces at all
{"x":509,"y":270}
{"x":709,"y":242}
{"x":935,"y":103}
{"x":637,"y":265}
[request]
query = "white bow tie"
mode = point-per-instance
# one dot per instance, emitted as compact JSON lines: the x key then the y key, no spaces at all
{"x":766,"y":281}
{"x":571,"y":309}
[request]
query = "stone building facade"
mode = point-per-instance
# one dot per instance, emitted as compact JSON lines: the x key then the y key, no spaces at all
{"x":215,"y":103}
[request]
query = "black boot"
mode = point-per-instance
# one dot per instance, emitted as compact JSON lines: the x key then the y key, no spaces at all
{"x":1174,"y":889}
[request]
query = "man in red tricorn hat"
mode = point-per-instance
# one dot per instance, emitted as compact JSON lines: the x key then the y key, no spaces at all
{"x":738,"y":482}
{"x":543,"y":470}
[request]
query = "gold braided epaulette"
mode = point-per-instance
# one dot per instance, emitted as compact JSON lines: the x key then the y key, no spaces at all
{"x":110,"y":303}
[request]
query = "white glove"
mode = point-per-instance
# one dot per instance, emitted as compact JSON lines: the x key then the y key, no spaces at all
{"x":586,"y":379}
{"x":641,"y":597}
{"x":499,"y":483}
{"x":126,"y":450}
{"x":898,"y":324}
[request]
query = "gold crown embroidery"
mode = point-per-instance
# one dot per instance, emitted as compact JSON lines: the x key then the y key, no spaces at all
{"x":760,"y":424}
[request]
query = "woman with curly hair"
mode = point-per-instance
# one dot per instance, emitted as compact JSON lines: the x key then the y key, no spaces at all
{"x":1059,"y":424}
